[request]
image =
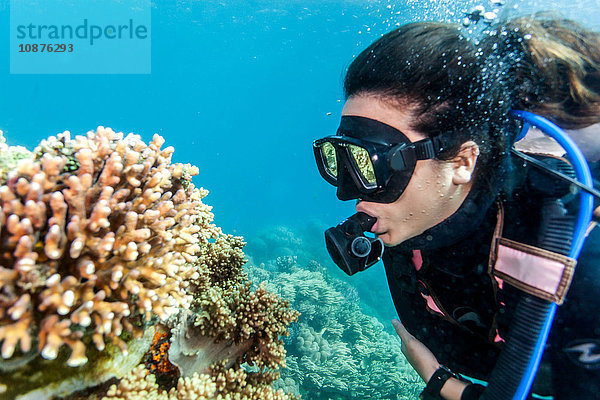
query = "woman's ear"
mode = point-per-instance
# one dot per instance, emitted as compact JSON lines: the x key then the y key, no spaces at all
{"x":464,"y":163}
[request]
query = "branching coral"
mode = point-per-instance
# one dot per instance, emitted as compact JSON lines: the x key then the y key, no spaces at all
{"x":91,"y":249}
{"x":245,"y":325}
{"x":258,"y":318}
{"x":225,"y":384}
{"x":228,"y":320}
{"x":101,"y":237}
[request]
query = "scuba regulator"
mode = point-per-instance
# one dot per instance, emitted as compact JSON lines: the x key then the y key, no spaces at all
{"x":348,"y":246}
{"x":516,"y":368}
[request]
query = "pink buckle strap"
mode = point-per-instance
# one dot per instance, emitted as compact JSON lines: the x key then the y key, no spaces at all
{"x":536,"y":271}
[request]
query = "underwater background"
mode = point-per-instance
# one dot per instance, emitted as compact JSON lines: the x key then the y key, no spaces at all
{"x":241,"y":89}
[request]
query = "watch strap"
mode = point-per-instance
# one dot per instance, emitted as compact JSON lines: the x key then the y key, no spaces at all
{"x":436,"y":382}
{"x":473,"y":391}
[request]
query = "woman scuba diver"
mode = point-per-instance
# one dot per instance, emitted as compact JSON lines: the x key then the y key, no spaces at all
{"x":424,"y":147}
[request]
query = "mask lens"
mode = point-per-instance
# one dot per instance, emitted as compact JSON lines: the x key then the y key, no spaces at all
{"x":363,"y":163}
{"x":329,"y":159}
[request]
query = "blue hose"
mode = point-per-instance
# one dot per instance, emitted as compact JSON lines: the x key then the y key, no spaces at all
{"x":583,"y":174}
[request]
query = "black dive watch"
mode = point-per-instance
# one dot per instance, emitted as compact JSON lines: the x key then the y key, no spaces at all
{"x":436,"y":382}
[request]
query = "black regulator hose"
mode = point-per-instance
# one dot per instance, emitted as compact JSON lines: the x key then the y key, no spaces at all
{"x":516,"y":366}
{"x":531,"y":312}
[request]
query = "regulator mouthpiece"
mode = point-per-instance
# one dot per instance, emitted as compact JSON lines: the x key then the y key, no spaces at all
{"x":349,"y":248}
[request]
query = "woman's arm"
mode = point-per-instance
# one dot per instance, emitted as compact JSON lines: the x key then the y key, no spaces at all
{"x":425,"y":363}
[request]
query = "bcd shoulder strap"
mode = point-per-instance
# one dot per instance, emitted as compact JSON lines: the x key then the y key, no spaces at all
{"x":536,"y":271}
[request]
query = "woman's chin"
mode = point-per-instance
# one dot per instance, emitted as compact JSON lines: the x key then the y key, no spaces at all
{"x":391,"y":239}
{"x":388,"y":239}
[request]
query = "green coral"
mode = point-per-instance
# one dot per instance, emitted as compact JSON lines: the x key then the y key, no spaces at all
{"x":336,"y":351}
{"x":10,"y":156}
{"x":61,"y":145}
{"x":186,"y":178}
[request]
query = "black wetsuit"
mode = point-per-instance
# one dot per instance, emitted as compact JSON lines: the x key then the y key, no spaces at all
{"x":453,"y":268}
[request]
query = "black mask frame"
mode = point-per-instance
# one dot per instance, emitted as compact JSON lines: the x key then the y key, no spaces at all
{"x":392,"y":155}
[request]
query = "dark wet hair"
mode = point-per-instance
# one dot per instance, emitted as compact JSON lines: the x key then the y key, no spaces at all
{"x":435,"y":72}
{"x":555,"y":67}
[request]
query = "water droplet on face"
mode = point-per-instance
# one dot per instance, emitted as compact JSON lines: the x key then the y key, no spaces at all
{"x":441,"y":194}
{"x":489,"y":16}
{"x":410,"y":214}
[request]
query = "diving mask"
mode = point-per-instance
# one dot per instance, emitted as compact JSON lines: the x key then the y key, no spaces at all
{"x":370,"y":160}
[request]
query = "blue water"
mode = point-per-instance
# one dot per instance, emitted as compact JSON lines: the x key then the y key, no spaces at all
{"x":240,"y":89}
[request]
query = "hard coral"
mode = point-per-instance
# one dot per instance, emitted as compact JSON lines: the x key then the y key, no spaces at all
{"x":336,"y":350}
{"x":226,"y":384}
{"x":9,"y":156}
{"x":236,"y":325}
{"x":101,"y":238}
{"x":96,"y":232}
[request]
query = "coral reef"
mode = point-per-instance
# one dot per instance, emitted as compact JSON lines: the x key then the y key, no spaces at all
{"x":92,"y":249}
{"x":335,"y":351}
{"x":225,"y":384}
{"x":9,"y":156}
{"x":278,"y":240}
{"x":239,"y":325}
{"x":101,"y":239}
{"x":305,"y":244}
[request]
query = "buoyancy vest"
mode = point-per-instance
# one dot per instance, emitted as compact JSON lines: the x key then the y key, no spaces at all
{"x":441,"y":281}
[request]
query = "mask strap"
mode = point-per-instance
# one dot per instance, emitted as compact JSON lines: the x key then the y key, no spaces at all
{"x":429,"y":148}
